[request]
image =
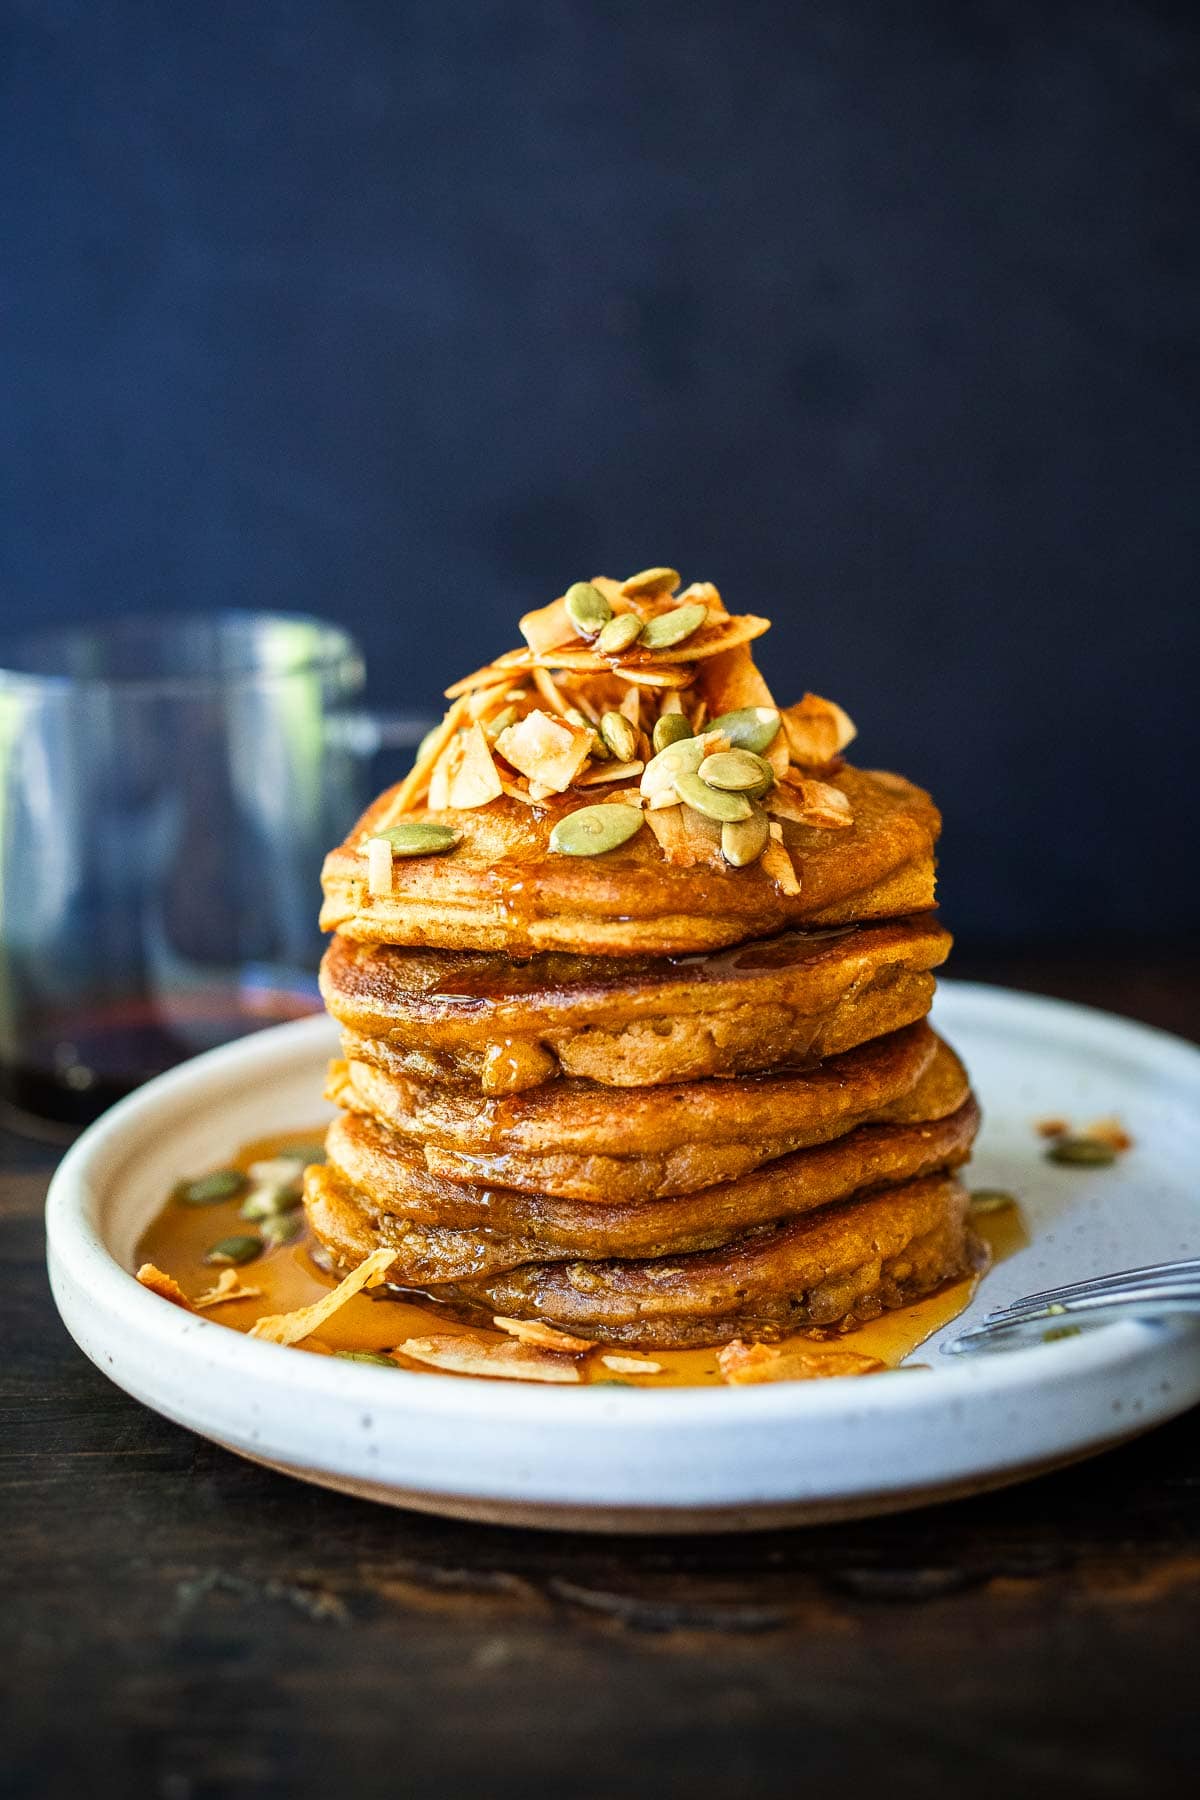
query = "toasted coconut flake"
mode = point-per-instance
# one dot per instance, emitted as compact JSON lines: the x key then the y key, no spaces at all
{"x":732,"y":681}
{"x":776,"y":862}
{"x":816,"y":730}
{"x":703,"y":593}
{"x":613,"y":771}
{"x":812,"y":803}
{"x":685,"y":837}
{"x":490,"y":676}
{"x":714,"y":638}
{"x":379,"y":866}
{"x":415,"y":781}
{"x":532,"y":1331}
{"x":631,"y":707}
{"x":550,"y":751}
{"x":631,"y":1365}
{"x":741,"y":1364}
{"x":516,"y":792}
{"x":671,"y":702}
{"x":548,"y":688}
{"x":165,"y":1286}
{"x":776,"y":832}
{"x":292,"y":1327}
{"x":549,"y":627}
{"x":229,"y":1287}
{"x":461,"y":1354}
{"x":474,"y":780}
{"x":680,"y":676}
{"x":632,"y":795}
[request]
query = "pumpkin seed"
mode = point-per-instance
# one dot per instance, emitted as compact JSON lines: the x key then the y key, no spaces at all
{"x":677,"y":759}
{"x":727,"y":809}
{"x":672,"y":728}
{"x":749,"y":727}
{"x":416,"y":839}
{"x":268,"y":1203}
{"x":1082,"y":1151}
{"x":587,"y":608}
{"x":284,"y":1229}
{"x":621,"y":633}
{"x":207,"y":1190}
{"x":670,"y":628}
{"x":648,"y":582}
{"x":619,"y":736}
{"x":991,"y":1200}
{"x":737,"y":771}
{"x":367,"y":1356}
{"x":744,"y":840}
{"x":591,"y":830}
{"x":304,"y":1153}
{"x":233,"y":1250}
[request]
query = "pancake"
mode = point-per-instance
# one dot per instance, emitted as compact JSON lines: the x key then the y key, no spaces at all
{"x":371,"y":1193}
{"x":637,"y":1021}
{"x":836,"y":1268}
{"x":607,"y":1145}
{"x":501,"y":888}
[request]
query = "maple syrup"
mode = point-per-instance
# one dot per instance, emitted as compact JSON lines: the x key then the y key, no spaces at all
{"x":287,"y":1277}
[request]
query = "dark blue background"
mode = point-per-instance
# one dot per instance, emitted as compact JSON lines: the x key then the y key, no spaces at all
{"x":881,"y":316}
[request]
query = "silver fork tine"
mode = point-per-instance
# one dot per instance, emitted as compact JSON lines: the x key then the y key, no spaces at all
{"x":1009,"y":1333}
{"x":1143,"y":1294}
{"x":1154,"y":1274}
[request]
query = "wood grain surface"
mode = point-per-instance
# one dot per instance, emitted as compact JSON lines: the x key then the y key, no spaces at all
{"x":181,"y":1625}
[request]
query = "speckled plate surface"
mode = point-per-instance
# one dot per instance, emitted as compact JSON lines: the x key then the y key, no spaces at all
{"x":679,"y":1460}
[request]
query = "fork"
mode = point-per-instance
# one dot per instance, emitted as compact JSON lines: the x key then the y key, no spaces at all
{"x":1159,"y":1291}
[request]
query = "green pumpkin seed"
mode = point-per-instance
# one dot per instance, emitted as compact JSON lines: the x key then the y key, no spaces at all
{"x":619,"y":736}
{"x":621,"y":633}
{"x":744,"y":840}
{"x":991,"y":1200}
{"x":415,"y":839}
{"x":283,"y":1229}
{"x":671,"y":628}
{"x":1084,"y":1152}
{"x":207,"y":1190}
{"x":737,"y":771}
{"x":649,"y":582}
{"x":672,"y":728}
{"x":726,"y":809}
{"x":591,"y":830}
{"x":677,"y":759}
{"x":587,"y":608}
{"x":233,"y":1250}
{"x":368,"y":1356}
{"x":749,"y":728}
{"x":268,"y":1203}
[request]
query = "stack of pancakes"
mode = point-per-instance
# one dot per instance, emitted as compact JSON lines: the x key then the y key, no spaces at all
{"x":649,"y":1095}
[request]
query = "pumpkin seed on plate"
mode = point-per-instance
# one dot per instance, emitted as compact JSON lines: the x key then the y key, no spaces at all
{"x":368,"y":1356}
{"x":744,"y":840}
{"x":749,"y":727}
{"x":591,"y":830}
{"x":285,"y":1228}
{"x":233,"y":1250}
{"x":670,"y":729}
{"x":670,"y":628}
{"x":991,"y":1200}
{"x":587,"y":608}
{"x":619,"y":736}
{"x":621,"y":633}
{"x":726,"y":809}
{"x":738,"y":771}
{"x":207,"y":1190}
{"x":268,"y":1203}
{"x":417,"y":839}
{"x":649,"y":582}
{"x":1082,"y":1151}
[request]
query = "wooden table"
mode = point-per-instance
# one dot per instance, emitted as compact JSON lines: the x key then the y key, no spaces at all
{"x":180,"y":1625}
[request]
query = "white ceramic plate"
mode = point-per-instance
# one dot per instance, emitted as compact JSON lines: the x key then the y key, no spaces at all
{"x":701,"y":1459}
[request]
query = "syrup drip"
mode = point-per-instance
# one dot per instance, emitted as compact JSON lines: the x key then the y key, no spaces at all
{"x":179,"y":1235}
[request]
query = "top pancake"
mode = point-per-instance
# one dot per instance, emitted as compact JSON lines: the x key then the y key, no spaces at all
{"x":560,"y":725}
{"x":502,"y":889}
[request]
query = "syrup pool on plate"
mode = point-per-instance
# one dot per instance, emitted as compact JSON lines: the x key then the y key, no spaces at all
{"x":180,"y":1235}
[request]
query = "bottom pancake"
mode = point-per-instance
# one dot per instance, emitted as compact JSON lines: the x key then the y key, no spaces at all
{"x":371,"y":1193}
{"x":837,"y":1268}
